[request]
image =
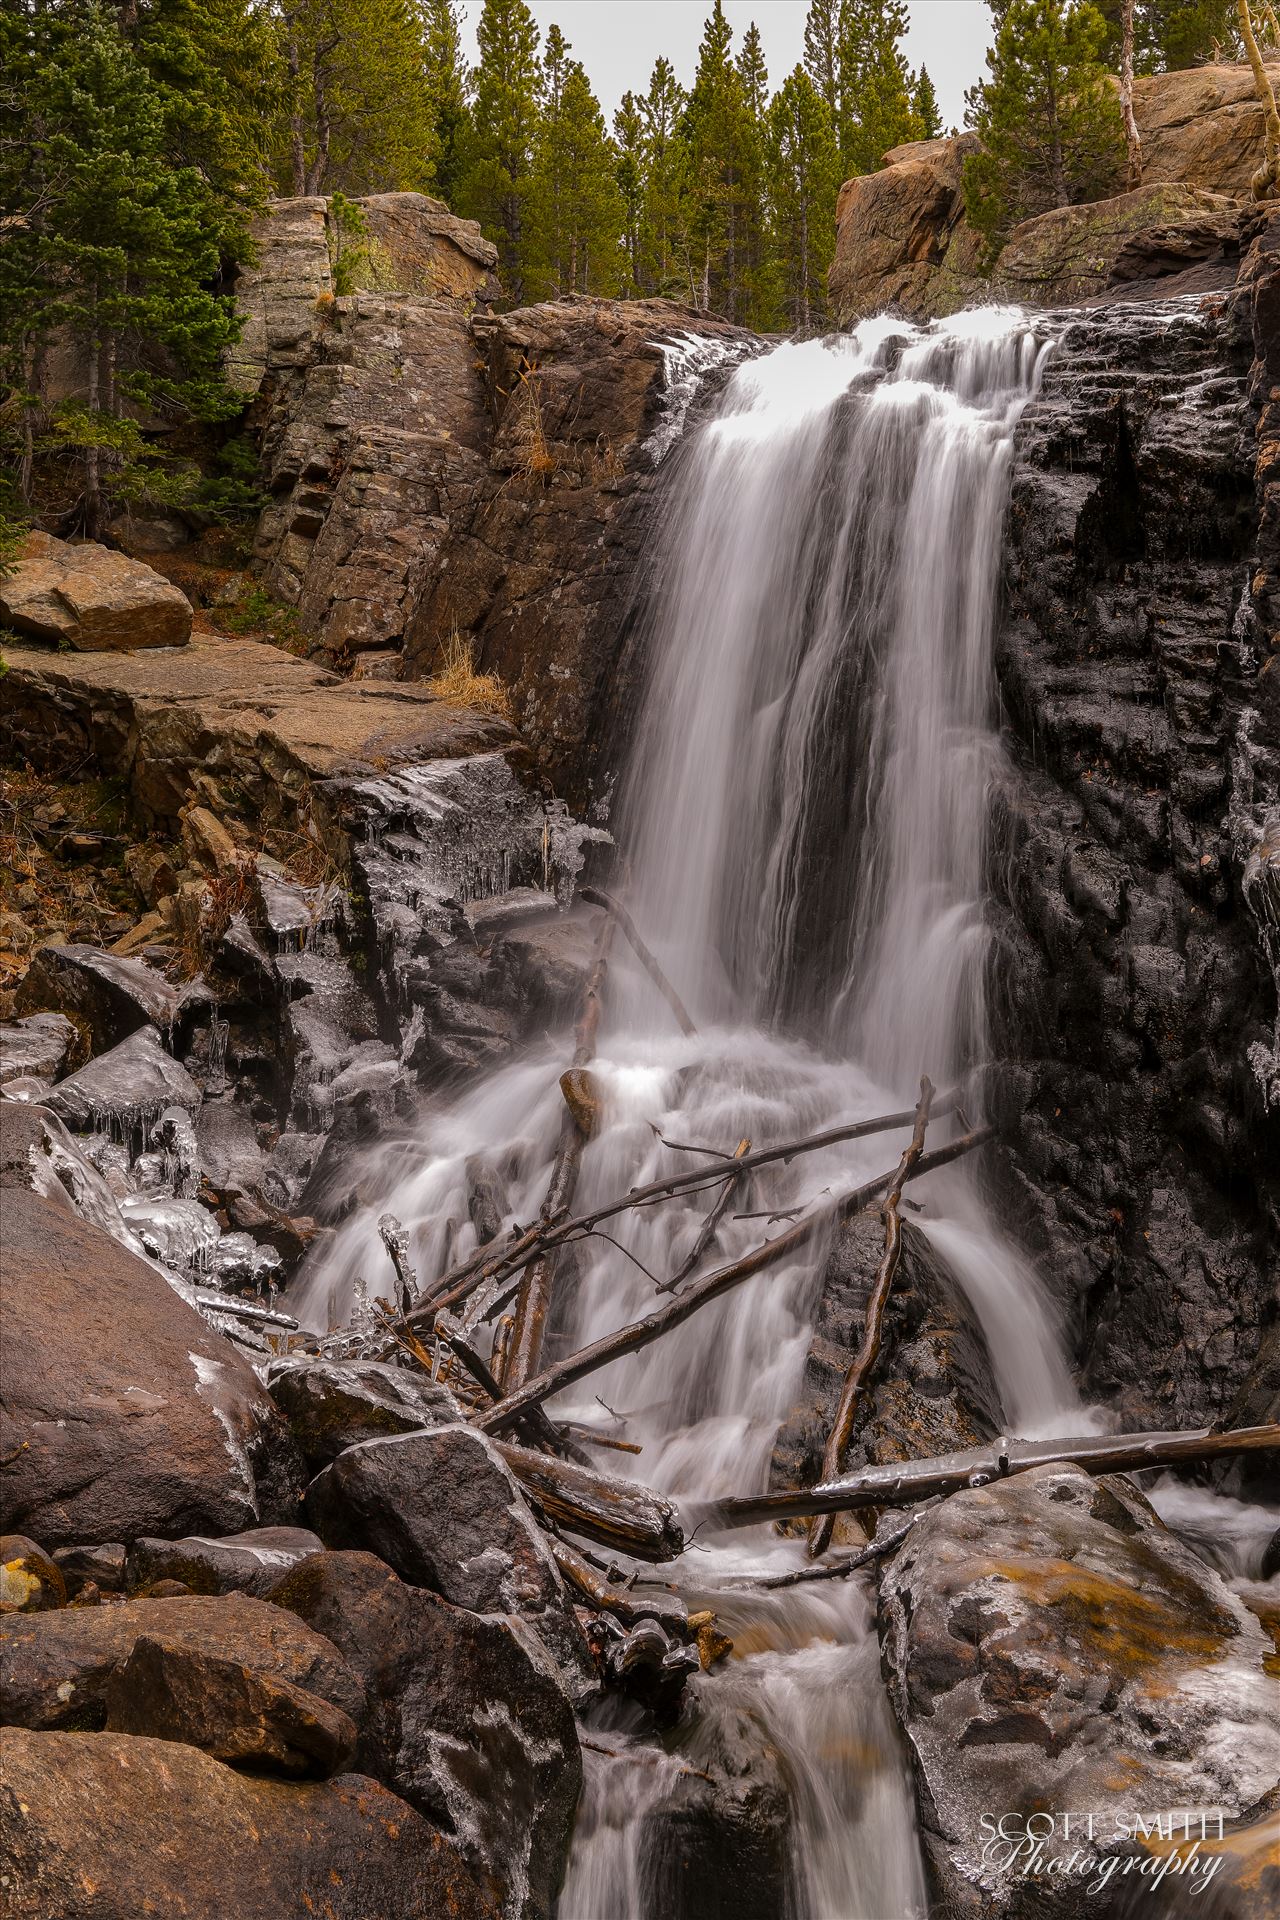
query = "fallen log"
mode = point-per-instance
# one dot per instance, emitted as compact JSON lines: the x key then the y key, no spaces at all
{"x":641,"y":1333}
{"x":492,"y":1263}
{"x":620,"y":1601}
{"x":539,"y":1428}
{"x":859,"y":1373}
{"x":622,"y":1515}
{"x":533,"y":1301}
{"x":903,"y":1484}
{"x":648,"y":960}
{"x":707,"y":1232}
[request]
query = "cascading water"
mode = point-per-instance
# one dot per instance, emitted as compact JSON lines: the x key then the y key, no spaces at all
{"x":804,"y":825}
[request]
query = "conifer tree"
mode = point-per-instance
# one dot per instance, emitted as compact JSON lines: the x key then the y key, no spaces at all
{"x":924,"y":107}
{"x":804,"y":174}
{"x":497,"y":177}
{"x":875,"y":86}
{"x":446,"y":83}
{"x":754,"y":266}
{"x":358,"y":115}
{"x":628,"y":141}
{"x":1048,"y":118}
{"x":716,"y":129}
{"x":118,"y":252}
{"x":576,"y":206}
{"x":666,"y":258}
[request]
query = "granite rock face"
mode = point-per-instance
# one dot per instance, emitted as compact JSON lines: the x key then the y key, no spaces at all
{"x":902,"y":238}
{"x":1132,"y":988}
{"x":1049,"y":1644}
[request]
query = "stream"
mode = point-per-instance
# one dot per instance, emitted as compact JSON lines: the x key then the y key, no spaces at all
{"x":803,"y":824}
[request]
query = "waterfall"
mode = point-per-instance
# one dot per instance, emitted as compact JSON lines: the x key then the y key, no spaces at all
{"x":804,"y":828}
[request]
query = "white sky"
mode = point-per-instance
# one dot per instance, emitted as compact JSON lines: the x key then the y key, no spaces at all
{"x":618,"y":41}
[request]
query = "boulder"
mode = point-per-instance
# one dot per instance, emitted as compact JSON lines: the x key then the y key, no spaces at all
{"x":38,"y":1154}
{"x":125,"y":1090}
{"x":465,"y":1720}
{"x":56,"y":1668}
{"x":248,"y":1562}
{"x":104,"y":1826}
{"x":1074,"y":253}
{"x":104,"y":995}
{"x":331,"y":1405}
{"x":718,"y":1843}
{"x":239,"y":1714}
{"x":37,"y":1047}
{"x":1050,"y":1645}
{"x":443,"y":1510}
{"x":100,"y":1566}
{"x":30,"y":1580}
{"x":87,"y":597}
{"x":901,"y":237}
{"x":121,"y":1412}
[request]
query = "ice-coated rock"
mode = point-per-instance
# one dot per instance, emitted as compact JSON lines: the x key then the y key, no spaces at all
{"x":35,"y":1048}
{"x":332,"y":1405}
{"x":126,"y":1090}
{"x":181,"y":1234}
{"x":110,"y":996}
{"x":38,"y":1153}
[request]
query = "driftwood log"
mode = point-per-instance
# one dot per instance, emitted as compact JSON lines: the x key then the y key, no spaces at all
{"x":619,"y":1514}
{"x":906,"y":1482}
{"x":860,"y":1368}
{"x":502,"y":1261}
{"x":641,"y":1333}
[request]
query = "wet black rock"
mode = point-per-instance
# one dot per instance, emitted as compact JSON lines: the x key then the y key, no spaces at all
{"x":105,"y":996}
{"x":332,"y":1405}
{"x":249,"y":1562}
{"x":102,"y":1565}
{"x":1131,"y":991}
{"x":1050,"y":1645}
{"x":443,"y":1510}
{"x":718,"y":1844}
{"x":466,"y":1720}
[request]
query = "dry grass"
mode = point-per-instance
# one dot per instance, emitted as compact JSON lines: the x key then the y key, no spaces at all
{"x":530,"y":452}
{"x":457,"y":681}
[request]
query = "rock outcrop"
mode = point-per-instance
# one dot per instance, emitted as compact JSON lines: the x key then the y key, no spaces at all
{"x":902,"y":239}
{"x":1050,"y":1646}
{"x":91,"y":599}
{"x":122,"y":1412}
{"x":1133,"y":990}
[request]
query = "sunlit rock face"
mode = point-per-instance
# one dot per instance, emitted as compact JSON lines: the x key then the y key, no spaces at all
{"x":1134,"y":978}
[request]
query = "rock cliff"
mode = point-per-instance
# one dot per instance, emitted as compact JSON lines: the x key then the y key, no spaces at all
{"x":902,"y":239}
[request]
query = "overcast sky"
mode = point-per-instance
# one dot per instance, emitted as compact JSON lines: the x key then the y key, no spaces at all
{"x":618,"y":41}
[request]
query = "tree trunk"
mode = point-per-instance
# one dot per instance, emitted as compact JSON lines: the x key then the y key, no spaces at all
{"x":1132,"y":140}
{"x":319,"y":167}
{"x":1266,"y":181}
{"x":93,"y":514}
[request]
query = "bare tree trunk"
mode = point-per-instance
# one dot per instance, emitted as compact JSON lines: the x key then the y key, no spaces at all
{"x":1266,"y":181}
{"x":1132,"y":138}
{"x":93,"y":454}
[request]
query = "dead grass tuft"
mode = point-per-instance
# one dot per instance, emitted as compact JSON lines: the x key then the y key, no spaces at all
{"x":457,"y":681}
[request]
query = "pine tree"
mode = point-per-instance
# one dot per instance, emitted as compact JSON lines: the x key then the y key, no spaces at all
{"x":497,"y":176}
{"x":358,"y":115}
{"x":628,"y":141}
{"x":924,"y":107}
{"x":1173,"y":33}
{"x":666,"y":248}
{"x":755,"y":300}
{"x":804,"y":174}
{"x":576,"y":207}
{"x":1048,"y":118}
{"x":875,"y":85}
{"x":823,"y":41}
{"x":715,"y":128}
{"x":445,"y":73}
{"x":117,"y":256}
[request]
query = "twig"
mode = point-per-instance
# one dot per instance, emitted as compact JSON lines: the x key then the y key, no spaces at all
{"x":599,"y":898}
{"x":859,"y":1372}
{"x":707,"y":1232}
{"x":641,"y":1333}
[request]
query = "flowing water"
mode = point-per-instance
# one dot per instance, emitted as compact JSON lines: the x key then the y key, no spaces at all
{"x":804,"y":826}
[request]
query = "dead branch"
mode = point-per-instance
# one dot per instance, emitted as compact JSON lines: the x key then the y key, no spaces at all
{"x":859,"y":1373}
{"x":539,"y":1429}
{"x":642,"y":1333}
{"x":904,"y":1483}
{"x":838,"y":1569}
{"x":599,"y":898}
{"x":707,"y":1232}
{"x":534,"y":1298}
{"x":501,"y":1263}
{"x":396,"y":1241}
{"x":619,"y":1601}
{"x":623,"y":1515}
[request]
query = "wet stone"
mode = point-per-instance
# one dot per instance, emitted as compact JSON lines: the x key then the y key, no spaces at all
{"x":333,"y":1405}
{"x":249,"y":1562}
{"x":126,"y":1090}
{"x":30,"y":1580}
{"x":35,"y":1048}
{"x":109,"y":996}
